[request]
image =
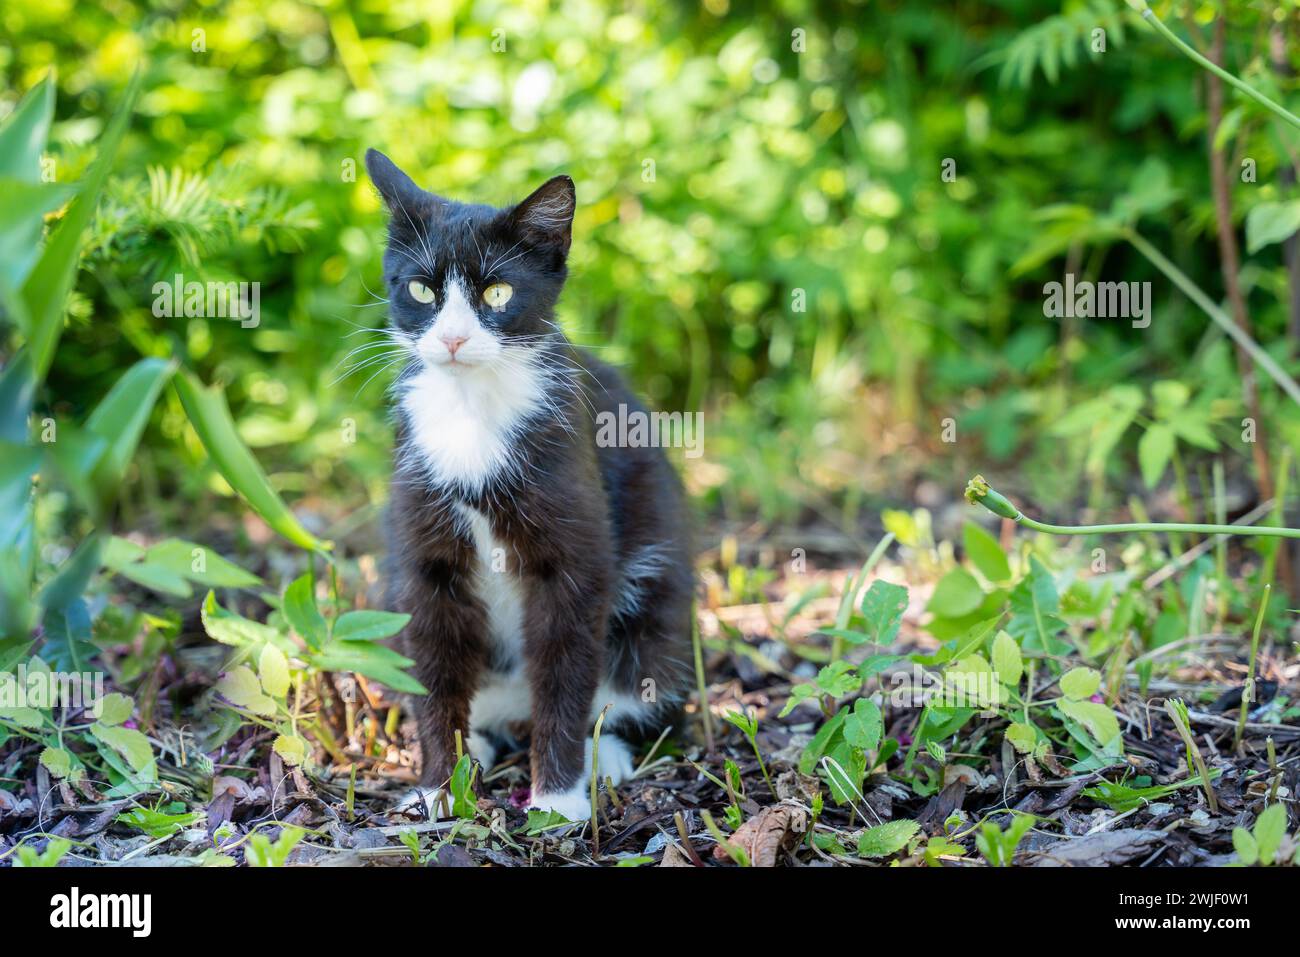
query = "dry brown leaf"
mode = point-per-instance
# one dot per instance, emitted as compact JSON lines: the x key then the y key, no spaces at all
{"x":763,"y":835}
{"x":674,"y":858}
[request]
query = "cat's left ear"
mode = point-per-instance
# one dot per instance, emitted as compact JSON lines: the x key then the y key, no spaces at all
{"x":545,"y":218}
{"x":398,"y":190}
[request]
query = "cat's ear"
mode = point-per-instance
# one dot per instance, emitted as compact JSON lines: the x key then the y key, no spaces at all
{"x":398,"y":190}
{"x":546,"y":217}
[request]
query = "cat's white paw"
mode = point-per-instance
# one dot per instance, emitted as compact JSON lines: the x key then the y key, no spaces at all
{"x":615,"y":759}
{"x":421,"y":802}
{"x":482,"y":750}
{"x":574,"y":804}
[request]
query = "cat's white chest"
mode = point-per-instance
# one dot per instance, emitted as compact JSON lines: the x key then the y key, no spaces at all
{"x":465,"y":424}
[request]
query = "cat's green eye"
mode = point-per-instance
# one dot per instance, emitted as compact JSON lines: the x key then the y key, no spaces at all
{"x":419,"y":291}
{"x":498,"y":294}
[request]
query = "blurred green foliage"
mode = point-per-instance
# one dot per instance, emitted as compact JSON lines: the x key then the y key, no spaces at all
{"x":765,"y":227}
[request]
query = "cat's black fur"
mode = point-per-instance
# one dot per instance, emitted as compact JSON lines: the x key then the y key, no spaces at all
{"x":578,"y":520}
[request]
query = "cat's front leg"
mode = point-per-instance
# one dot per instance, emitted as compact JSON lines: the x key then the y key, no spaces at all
{"x":563,"y":634}
{"x":447,"y":638}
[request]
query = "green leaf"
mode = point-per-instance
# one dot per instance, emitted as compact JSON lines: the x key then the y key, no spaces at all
{"x":240,"y":687}
{"x":239,"y":632}
{"x":1244,"y":843}
{"x":45,"y":293}
{"x":291,"y":749}
{"x":300,"y":609}
{"x":210,"y":416}
{"x":957,"y":594}
{"x":373,"y":661}
{"x":129,"y":743}
{"x":1270,"y":222}
{"x":273,"y":669}
{"x":1023,"y":737}
{"x":1155,"y":449}
{"x":121,"y":416}
{"x":888,"y":838}
{"x":114,"y":708}
{"x":57,"y":761}
{"x":25,"y":131}
{"x":369,"y":625}
{"x":864,"y":726}
{"x":199,"y":564}
{"x":882,"y":608}
{"x":1270,"y":829}
{"x":985,"y":553}
{"x":1006,"y":659}
{"x":1080,"y":683}
{"x":970,"y":682}
{"x":1097,"y":718}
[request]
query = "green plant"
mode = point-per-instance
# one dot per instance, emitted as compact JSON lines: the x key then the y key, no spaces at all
{"x":261,"y":852}
{"x":1267,"y":842}
{"x":999,"y":846}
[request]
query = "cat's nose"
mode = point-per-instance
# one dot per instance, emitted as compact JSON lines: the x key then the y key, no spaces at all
{"x":453,"y":343}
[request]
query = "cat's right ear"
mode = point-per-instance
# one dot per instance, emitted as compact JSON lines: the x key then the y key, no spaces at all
{"x":398,"y":190}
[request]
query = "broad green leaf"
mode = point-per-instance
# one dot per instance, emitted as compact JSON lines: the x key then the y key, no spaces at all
{"x":985,"y":553}
{"x":240,"y":687}
{"x":970,"y":682}
{"x":957,"y":594}
{"x":1097,"y":718}
{"x":129,"y":743}
{"x":1006,"y":659}
{"x":882,"y":607}
{"x":888,"y":838}
{"x":199,"y":564}
{"x":211,"y":419}
{"x":273,"y":669}
{"x":239,"y":632}
{"x":1023,"y":737}
{"x":300,"y":609}
{"x":291,"y":749}
{"x":373,"y":661}
{"x":1244,"y":843}
{"x":1080,"y":683}
{"x":23,"y":207}
{"x":24,"y":132}
{"x":1155,"y":449}
{"x":57,"y":761}
{"x":1270,"y":829}
{"x":121,"y":416}
{"x":45,"y":292}
{"x":1271,"y":222}
{"x":114,"y":708}
{"x":864,"y":726}
{"x":368,"y":625}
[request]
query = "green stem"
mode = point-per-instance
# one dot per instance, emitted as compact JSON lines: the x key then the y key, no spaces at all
{"x":1222,"y":74}
{"x":1221,"y":318}
{"x":1248,"y":686}
{"x":978,"y":492}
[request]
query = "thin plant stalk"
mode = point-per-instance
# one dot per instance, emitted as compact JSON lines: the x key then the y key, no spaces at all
{"x":1248,"y":686}
{"x":1221,"y":318}
{"x":701,"y":685}
{"x":595,"y":778}
{"x":1177,"y":711}
{"x":1182,"y":46}
{"x":978,"y":492}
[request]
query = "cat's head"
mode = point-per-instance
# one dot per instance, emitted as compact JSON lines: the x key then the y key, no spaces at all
{"x":472,"y":286}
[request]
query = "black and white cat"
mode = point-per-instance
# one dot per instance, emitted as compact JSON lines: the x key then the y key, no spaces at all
{"x":546,"y":575}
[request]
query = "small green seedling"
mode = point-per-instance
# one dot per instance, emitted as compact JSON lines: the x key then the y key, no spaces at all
{"x":1267,"y":843}
{"x":999,"y":846}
